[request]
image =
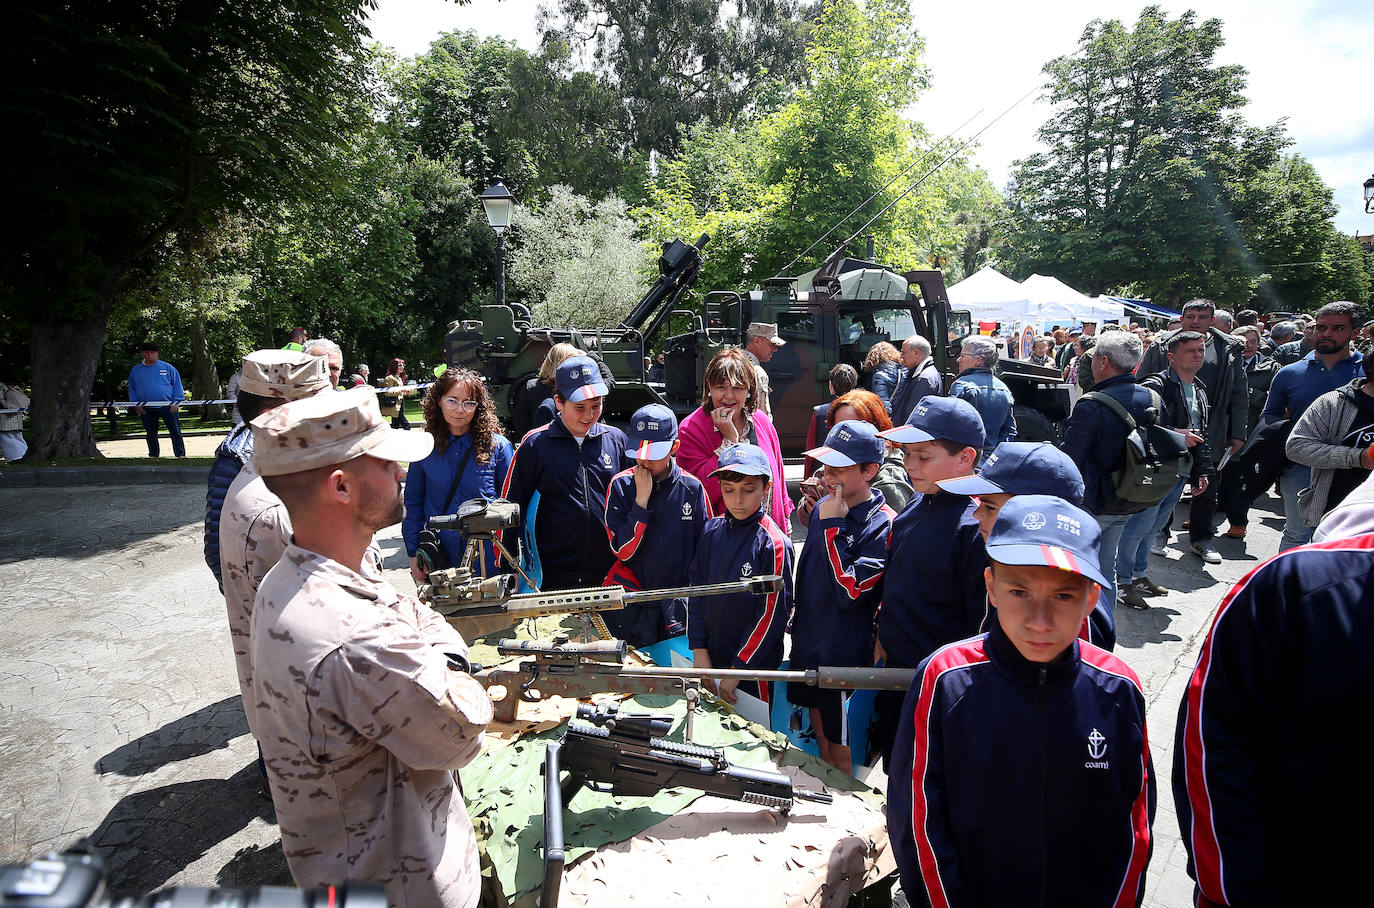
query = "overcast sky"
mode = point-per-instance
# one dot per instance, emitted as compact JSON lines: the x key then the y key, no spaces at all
{"x":1302,"y":57}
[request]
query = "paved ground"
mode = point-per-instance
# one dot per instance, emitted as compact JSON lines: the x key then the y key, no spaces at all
{"x":119,"y":712}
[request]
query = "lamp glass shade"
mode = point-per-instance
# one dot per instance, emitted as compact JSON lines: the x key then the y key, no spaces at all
{"x":1369,"y":189}
{"x":498,"y":202}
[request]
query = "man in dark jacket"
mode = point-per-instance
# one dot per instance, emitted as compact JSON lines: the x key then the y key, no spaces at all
{"x":1259,"y":374}
{"x":1223,"y":376}
{"x":919,"y":378}
{"x":1095,"y":439}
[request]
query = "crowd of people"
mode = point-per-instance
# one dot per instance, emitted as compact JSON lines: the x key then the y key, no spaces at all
{"x":936,"y":541}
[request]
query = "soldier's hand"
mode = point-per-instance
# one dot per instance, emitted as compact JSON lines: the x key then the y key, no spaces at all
{"x":417,"y":570}
{"x":644,"y":484}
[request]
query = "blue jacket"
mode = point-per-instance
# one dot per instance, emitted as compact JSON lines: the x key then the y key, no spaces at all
{"x":741,"y":630}
{"x":230,"y":457}
{"x":1095,"y":440}
{"x":572,"y":482}
{"x":992,"y":399}
{"x":839,"y":586}
{"x":1295,"y":386}
{"x":428,"y":481}
{"x":884,"y":381}
{"x":653,"y":547}
{"x":1019,"y":783}
{"x":160,"y":381}
{"x":1268,"y":779}
{"x":934,"y":591}
{"x":912,"y":386}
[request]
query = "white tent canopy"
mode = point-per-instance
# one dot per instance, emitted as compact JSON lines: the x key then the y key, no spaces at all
{"x":989,"y":295}
{"x":1046,"y":293}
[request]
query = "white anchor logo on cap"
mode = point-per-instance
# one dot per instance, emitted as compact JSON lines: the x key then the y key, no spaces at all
{"x":1033,"y":521}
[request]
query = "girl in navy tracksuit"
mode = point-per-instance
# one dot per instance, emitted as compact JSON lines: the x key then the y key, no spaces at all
{"x":741,"y":630}
{"x":653,"y":545}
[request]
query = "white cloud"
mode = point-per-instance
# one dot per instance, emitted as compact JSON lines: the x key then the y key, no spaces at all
{"x":1303,"y":58}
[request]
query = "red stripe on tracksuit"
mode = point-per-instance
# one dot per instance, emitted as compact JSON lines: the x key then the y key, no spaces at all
{"x":1208,"y":861}
{"x":626,"y":551}
{"x":952,"y":657}
{"x":1104,"y":661}
{"x":852,"y":585}
{"x":770,"y":602}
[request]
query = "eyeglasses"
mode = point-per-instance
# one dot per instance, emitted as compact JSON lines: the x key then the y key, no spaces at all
{"x":460,"y":404}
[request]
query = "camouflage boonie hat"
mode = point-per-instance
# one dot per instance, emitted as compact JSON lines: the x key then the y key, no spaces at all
{"x":283,"y":374}
{"x":327,"y":429}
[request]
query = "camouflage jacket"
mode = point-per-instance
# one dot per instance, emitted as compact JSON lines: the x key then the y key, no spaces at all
{"x":362,"y":722}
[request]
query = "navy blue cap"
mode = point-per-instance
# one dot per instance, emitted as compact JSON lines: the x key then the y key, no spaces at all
{"x":748,"y":460}
{"x":653,"y":429}
{"x":850,"y":442}
{"x":1045,"y":530}
{"x":578,"y":379}
{"x":1022,"y":468}
{"x":948,"y":418}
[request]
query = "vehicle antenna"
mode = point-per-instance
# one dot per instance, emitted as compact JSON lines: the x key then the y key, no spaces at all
{"x":930,"y":172}
{"x":905,"y":170}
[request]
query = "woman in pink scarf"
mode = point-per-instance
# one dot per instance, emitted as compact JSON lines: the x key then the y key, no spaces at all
{"x":729,"y":414}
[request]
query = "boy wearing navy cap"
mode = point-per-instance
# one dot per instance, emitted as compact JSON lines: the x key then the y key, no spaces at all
{"x":1024,"y":745}
{"x":933,"y":591}
{"x":741,"y":630}
{"x":839,"y":577}
{"x":1033,"y":468}
{"x":654,"y":516}
{"x":569,"y":464}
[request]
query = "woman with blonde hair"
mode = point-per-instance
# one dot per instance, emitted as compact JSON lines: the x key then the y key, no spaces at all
{"x":470,"y":460}
{"x":730,"y":414}
{"x":883,"y":366}
{"x":533,"y":404}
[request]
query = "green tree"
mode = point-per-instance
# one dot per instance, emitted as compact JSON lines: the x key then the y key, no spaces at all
{"x":131,"y":121}
{"x":685,"y":62}
{"x":577,"y":262}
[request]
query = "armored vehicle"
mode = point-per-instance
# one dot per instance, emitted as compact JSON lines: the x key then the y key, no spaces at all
{"x":832,"y":315}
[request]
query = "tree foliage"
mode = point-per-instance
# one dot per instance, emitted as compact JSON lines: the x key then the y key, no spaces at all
{"x":137,"y":120}
{"x":684,"y":62}
{"x":1151,"y":178}
{"x":577,"y":262}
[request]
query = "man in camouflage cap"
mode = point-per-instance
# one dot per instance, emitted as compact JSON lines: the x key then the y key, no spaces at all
{"x":361,"y":696}
{"x":251,"y":526}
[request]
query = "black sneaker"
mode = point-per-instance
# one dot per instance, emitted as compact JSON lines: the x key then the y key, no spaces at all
{"x":1148,"y":587}
{"x":1131,"y":596}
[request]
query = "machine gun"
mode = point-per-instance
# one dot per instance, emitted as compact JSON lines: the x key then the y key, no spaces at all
{"x":607,"y":751}
{"x":582,"y":669}
{"x":465,"y":591}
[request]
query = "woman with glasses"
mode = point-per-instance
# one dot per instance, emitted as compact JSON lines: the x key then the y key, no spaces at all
{"x":470,"y":460}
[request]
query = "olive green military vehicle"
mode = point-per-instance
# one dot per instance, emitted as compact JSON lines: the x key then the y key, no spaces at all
{"x":832,"y":315}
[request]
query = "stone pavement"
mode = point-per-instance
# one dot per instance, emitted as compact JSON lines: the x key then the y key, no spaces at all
{"x":120,"y":716}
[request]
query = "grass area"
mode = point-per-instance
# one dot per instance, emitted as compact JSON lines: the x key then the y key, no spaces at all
{"x":29,"y":463}
{"x":128,"y":425}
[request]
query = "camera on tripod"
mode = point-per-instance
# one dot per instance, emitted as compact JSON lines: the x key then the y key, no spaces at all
{"x":75,"y":878}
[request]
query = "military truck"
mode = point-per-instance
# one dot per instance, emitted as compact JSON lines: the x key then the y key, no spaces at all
{"x":832,"y":315}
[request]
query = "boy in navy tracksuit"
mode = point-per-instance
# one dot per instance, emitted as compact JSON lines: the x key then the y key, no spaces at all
{"x":839,"y":577}
{"x":1021,"y":772}
{"x":741,"y":630}
{"x":569,"y":464}
{"x":1032,"y":468}
{"x":933,"y":591}
{"x":654,"y":516}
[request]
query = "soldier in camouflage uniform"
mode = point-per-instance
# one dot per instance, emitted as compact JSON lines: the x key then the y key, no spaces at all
{"x":361,"y":696}
{"x":254,"y":528}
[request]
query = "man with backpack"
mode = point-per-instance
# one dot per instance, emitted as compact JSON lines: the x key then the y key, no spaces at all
{"x":1096,"y":437}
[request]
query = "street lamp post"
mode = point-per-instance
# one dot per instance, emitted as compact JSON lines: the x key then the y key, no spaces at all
{"x":498,"y":202}
{"x":1368,"y":195}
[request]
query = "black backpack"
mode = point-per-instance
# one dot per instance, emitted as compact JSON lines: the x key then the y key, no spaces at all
{"x":1155,"y":457}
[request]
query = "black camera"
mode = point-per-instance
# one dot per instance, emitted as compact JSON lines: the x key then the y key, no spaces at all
{"x":75,"y":878}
